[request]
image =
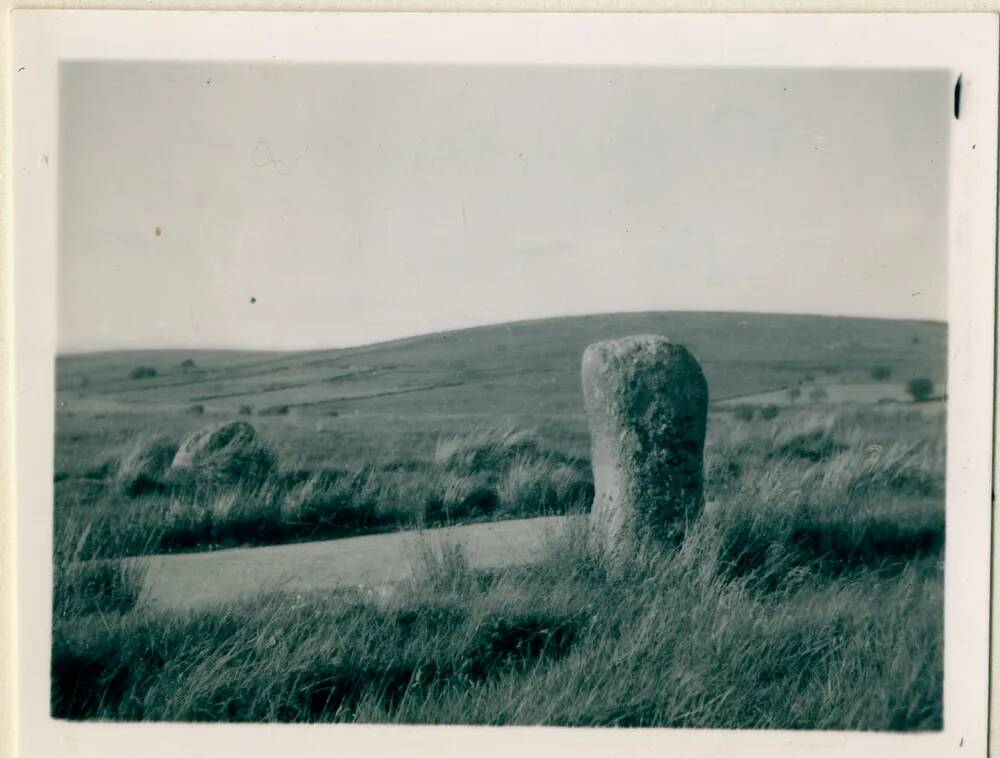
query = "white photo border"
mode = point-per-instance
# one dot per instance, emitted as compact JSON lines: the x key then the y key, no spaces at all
{"x":963,"y":44}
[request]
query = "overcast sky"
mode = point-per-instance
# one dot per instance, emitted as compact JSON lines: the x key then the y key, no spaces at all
{"x":321,"y":206}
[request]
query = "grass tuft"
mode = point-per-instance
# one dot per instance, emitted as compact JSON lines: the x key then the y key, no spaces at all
{"x":143,"y":467}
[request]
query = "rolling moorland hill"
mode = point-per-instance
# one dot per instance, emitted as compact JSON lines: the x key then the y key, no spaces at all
{"x":529,"y":367}
{"x":391,"y":401}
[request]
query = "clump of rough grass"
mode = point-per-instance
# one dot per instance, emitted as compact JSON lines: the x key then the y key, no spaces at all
{"x":83,"y":586}
{"x":532,"y":484}
{"x":442,"y":569}
{"x":502,"y":470}
{"x":332,"y":498}
{"x":913,"y":467}
{"x":143,"y":466}
{"x":454,"y":496}
{"x":488,"y":448}
{"x":832,"y":492}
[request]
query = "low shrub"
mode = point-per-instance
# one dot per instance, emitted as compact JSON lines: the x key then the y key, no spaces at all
{"x":881,"y":373}
{"x":920,"y":389}
{"x":142,"y":372}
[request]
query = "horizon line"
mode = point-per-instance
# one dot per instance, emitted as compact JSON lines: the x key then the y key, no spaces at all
{"x":418,"y":335}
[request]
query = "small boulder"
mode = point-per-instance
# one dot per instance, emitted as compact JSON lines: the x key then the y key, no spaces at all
{"x":226,"y":453}
{"x":647,"y":403}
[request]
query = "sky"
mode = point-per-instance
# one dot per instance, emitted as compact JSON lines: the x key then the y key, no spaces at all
{"x":264,"y":206}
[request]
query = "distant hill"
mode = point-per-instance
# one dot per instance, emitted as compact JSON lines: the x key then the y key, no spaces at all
{"x":529,"y":367}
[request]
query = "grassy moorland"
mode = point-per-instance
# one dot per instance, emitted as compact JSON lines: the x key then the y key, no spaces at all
{"x":808,"y":596}
{"x":371,"y":438}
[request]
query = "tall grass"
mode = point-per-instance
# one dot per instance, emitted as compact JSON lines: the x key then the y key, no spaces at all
{"x":809,"y":595}
{"x":807,"y":462}
{"x":667,"y":640}
{"x":487,"y":473}
{"x":82,"y":587}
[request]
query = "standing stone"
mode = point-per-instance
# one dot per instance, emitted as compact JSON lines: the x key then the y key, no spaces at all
{"x":647,"y":403}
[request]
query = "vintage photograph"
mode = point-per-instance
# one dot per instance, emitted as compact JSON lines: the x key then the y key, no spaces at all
{"x":447,"y":384}
{"x":538,"y":395}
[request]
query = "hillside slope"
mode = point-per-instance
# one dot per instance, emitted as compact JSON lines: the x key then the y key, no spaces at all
{"x":526,"y":367}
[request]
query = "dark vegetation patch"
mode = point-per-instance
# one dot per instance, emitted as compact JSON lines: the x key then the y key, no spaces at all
{"x":142,"y":372}
{"x":806,"y":540}
{"x":504,"y":641}
{"x":920,"y":389}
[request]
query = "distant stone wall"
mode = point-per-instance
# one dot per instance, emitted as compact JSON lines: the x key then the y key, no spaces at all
{"x":647,"y":404}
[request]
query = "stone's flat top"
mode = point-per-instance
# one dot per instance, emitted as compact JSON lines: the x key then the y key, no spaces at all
{"x":648,"y":355}
{"x":632,"y":342}
{"x":639,"y":346}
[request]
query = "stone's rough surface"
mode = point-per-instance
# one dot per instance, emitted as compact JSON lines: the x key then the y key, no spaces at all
{"x":647,"y":403}
{"x":224,"y":454}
